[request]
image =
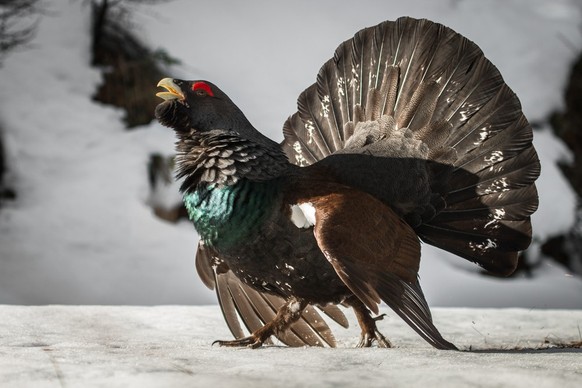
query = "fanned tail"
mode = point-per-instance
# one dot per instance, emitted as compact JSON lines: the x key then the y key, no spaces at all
{"x":415,"y":90}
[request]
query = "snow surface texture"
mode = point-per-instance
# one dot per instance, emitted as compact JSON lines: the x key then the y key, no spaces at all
{"x":167,"y":346}
{"x":82,"y":232}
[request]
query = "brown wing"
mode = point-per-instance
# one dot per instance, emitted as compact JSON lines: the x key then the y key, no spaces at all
{"x":376,"y":255}
{"x":242,"y":303}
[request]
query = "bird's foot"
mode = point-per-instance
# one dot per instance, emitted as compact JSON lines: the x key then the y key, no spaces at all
{"x":252,"y":341}
{"x":367,"y":340}
{"x":290,"y":312}
{"x":370,"y":334}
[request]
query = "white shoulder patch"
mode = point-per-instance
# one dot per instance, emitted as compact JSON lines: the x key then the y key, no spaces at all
{"x":303,"y":215}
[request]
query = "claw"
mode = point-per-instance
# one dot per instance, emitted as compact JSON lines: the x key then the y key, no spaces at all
{"x":367,"y":339}
{"x":288,"y":313}
{"x":250,"y":342}
{"x":370,"y":333}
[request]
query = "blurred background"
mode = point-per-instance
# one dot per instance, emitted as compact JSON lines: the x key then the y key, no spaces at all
{"x":89,"y":212}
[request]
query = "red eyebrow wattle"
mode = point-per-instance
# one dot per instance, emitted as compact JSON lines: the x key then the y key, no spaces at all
{"x":203,"y":86}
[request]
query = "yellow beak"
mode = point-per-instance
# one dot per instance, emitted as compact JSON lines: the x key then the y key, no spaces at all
{"x":173,"y":90}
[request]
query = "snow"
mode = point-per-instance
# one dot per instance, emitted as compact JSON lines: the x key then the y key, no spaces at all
{"x":97,"y":346}
{"x":82,"y":230}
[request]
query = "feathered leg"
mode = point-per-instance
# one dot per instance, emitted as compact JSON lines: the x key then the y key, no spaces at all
{"x":289,"y":313}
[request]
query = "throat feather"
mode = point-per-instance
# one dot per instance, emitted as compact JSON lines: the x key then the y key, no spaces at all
{"x":228,"y":215}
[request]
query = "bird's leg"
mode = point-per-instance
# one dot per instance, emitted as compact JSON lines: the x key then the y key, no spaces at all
{"x":288,"y":313}
{"x":367,"y":323}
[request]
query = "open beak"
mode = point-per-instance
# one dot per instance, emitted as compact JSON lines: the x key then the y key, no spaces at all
{"x":173,"y":90}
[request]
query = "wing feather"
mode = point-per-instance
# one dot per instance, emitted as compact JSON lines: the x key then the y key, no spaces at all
{"x":240,"y":303}
{"x":378,"y":260}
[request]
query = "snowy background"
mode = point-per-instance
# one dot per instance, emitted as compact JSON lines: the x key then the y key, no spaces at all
{"x":81,"y":230}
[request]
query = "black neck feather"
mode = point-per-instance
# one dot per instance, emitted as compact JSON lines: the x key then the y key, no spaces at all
{"x":222,"y":158}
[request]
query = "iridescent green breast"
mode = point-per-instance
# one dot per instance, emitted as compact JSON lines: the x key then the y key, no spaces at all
{"x":228,"y":215}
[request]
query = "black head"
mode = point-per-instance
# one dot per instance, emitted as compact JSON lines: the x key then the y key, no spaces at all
{"x":198,"y":105}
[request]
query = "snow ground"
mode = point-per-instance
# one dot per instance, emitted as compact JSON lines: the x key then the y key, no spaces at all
{"x":81,"y":231}
{"x":96,"y":346}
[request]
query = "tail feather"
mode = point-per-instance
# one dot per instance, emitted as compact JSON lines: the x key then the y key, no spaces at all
{"x":494,"y":147}
{"x":513,"y":206}
{"x":501,"y":157}
{"x":416,"y":45}
{"x":493,"y":117}
{"x":304,"y":152}
{"x":501,"y":177}
{"x":435,"y":87}
{"x":316,"y":132}
{"x":495,"y":253}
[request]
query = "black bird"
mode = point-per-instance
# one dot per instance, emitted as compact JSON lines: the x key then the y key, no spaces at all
{"x":409,"y":134}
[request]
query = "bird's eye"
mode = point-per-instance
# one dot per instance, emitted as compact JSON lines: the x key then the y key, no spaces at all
{"x":202,"y":89}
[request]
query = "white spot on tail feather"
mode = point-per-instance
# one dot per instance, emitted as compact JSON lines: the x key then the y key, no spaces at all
{"x":341,"y":83}
{"x":496,"y":216}
{"x":297,"y":147}
{"x":325,"y":106}
{"x":484,"y":134}
{"x":303,"y":215}
{"x":497,"y":186}
{"x":310,"y":127}
{"x":496,"y":157}
{"x":301,"y":161}
{"x":483,"y":246}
